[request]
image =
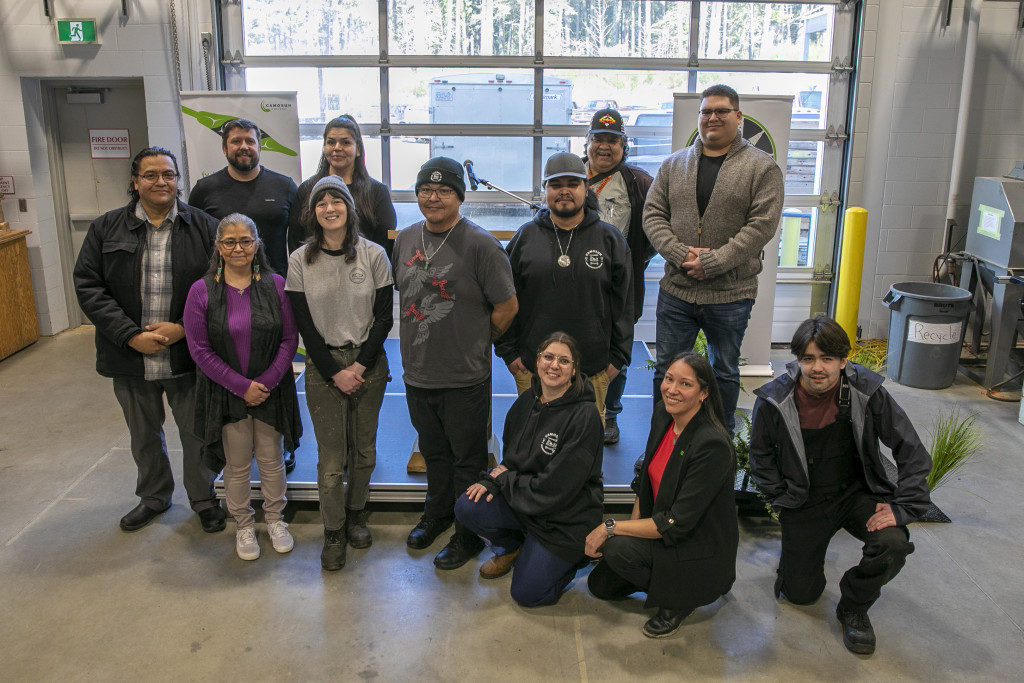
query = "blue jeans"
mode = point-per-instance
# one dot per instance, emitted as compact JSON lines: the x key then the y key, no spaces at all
{"x":539,"y":576}
{"x":724,"y":326}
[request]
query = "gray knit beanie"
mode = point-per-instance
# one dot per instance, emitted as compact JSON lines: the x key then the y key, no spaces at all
{"x":330,"y":182}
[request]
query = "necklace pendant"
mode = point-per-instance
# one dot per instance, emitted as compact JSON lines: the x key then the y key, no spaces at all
{"x":564,"y":260}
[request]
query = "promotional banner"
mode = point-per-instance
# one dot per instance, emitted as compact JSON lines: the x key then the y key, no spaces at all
{"x":203,"y":115}
{"x":766,"y":123}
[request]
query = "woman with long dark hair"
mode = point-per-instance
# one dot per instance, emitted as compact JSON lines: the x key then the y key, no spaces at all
{"x":341,"y":289}
{"x":242,"y":336}
{"x":537,"y":506}
{"x":344,"y":156}
{"x":679,"y":545}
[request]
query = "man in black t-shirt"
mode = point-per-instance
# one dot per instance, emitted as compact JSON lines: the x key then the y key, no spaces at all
{"x":244,"y":186}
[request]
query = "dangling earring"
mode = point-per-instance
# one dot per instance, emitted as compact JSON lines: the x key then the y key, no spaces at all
{"x":256,"y":272}
{"x":220,"y":268}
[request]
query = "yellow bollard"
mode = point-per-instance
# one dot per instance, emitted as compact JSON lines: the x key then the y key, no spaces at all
{"x":790,"y":241}
{"x":851,"y":263}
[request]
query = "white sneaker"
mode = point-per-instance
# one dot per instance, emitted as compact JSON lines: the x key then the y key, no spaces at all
{"x":280,"y":537}
{"x":245,"y":543}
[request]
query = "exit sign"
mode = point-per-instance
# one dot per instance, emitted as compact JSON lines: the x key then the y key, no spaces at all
{"x":71,"y":31}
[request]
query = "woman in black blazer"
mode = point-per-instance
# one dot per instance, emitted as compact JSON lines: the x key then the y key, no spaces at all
{"x":679,"y":545}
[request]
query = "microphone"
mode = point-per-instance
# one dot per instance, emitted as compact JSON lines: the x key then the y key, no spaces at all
{"x":472,"y":176}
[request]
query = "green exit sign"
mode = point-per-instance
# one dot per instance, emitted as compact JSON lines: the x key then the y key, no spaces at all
{"x":72,"y":31}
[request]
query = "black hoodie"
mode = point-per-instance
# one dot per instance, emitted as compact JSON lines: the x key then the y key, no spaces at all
{"x":591,"y":299}
{"x":553,"y":452}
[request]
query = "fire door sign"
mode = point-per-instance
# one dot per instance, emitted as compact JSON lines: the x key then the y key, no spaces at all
{"x":110,"y":143}
{"x":72,"y":31}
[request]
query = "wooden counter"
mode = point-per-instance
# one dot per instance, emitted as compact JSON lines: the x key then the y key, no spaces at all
{"x":18,"y":325}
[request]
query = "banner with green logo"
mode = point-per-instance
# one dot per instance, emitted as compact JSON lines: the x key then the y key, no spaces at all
{"x":203,"y":115}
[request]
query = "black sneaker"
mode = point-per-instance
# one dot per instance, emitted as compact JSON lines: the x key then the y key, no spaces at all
{"x":332,"y":557}
{"x":611,"y":431}
{"x":462,"y":548}
{"x":427,"y":531}
{"x":858,"y":635}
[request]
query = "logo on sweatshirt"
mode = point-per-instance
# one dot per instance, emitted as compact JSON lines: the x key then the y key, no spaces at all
{"x":594,"y":259}
{"x":549,"y":443}
{"x":358,"y":276}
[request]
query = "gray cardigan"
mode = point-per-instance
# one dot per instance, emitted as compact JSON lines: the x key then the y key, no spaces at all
{"x":741,"y":218}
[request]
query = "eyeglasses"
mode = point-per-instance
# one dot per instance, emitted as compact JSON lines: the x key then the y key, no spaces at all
{"x":720,"y":113}
{"x":441,"y":192}
{"x":245,"y":243}
{"x":550,"y":358}
{"x":151,"y":177}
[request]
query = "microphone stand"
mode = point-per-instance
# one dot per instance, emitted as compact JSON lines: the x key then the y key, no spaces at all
{"x":480,"y":181}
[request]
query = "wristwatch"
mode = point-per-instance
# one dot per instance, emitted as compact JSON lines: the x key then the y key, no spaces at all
{"x":609,"y":526}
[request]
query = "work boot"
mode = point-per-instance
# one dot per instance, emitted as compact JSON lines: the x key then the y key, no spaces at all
{"x":424,"y":533}
{"x":499,"y":565}
{"x":355,"y":526}
{"x":858,"y":635}
{"x":611,"y":431}
{"x":332,"y":557}
{"x":665,"y":622}
{"x":463,"y":547}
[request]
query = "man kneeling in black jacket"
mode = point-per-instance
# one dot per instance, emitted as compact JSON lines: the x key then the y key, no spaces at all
{"x":814,"y":453}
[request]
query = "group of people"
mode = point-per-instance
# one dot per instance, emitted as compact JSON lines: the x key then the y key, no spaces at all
{"x":208,"y":312}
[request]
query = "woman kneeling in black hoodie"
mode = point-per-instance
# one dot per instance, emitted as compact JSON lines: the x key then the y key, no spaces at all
{"x":537,"y":506}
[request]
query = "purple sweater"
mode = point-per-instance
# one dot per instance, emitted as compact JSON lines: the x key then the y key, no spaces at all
{"x":215,"y":367}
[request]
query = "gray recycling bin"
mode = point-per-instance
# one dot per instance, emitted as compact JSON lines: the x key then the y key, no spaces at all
{"x":927,"y":322}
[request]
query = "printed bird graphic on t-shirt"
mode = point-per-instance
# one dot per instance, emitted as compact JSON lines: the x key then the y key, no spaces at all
{"x":430,"y":310}
{"x":417,"y":278}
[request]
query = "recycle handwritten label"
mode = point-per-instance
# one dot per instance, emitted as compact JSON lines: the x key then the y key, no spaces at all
{"x":934,"y":333}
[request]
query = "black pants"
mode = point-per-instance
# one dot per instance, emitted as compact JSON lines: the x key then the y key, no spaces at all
{"x":452,"y":428}
{"x":806,"y":533}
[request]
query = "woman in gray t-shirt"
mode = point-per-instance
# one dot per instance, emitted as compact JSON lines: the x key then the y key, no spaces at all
{"x":341,"y":291}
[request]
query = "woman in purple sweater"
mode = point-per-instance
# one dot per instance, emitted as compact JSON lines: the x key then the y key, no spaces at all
{"x":242,"y":335}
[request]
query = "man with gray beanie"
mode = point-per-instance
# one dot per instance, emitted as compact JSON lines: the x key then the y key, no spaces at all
{"x":456,"y":297}
{"x":573,"y":274}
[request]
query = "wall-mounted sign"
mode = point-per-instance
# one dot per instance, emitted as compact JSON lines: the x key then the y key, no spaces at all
{"x":110,"y":143}
{"x":6,"y":184}
{"x":71,"y":31}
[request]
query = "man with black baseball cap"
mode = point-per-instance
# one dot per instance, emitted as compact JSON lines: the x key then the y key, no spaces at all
{"x":621,"y":192}
{"x":572,"y":274}
{"x":456,"y":297}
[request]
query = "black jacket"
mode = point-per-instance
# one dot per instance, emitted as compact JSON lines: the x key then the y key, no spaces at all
{"x":638,"y":183}
{"x":778,"y":462}
{"x":591,"y":299}
{"x":108,"y":280}
{"x":553,"y":452}
{"x":695,"y":513}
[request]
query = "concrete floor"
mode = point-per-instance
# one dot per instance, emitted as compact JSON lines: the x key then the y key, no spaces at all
{"x":82,"y":600}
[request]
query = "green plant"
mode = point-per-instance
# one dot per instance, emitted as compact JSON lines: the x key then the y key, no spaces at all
{"x":956,"y":440}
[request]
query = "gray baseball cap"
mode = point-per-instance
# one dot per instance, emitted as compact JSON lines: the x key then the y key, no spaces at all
{"x":564,"y":164}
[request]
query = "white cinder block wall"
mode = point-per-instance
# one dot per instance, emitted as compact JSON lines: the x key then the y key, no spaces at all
{"x":906,"y":116}
{"x":139,"y":46}
{"x":909,"y":87}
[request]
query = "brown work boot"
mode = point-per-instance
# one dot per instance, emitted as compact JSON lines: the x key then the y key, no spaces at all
{"x":499,"y":565}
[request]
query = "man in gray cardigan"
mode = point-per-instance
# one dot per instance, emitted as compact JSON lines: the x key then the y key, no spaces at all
{"x":711,"y":210}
